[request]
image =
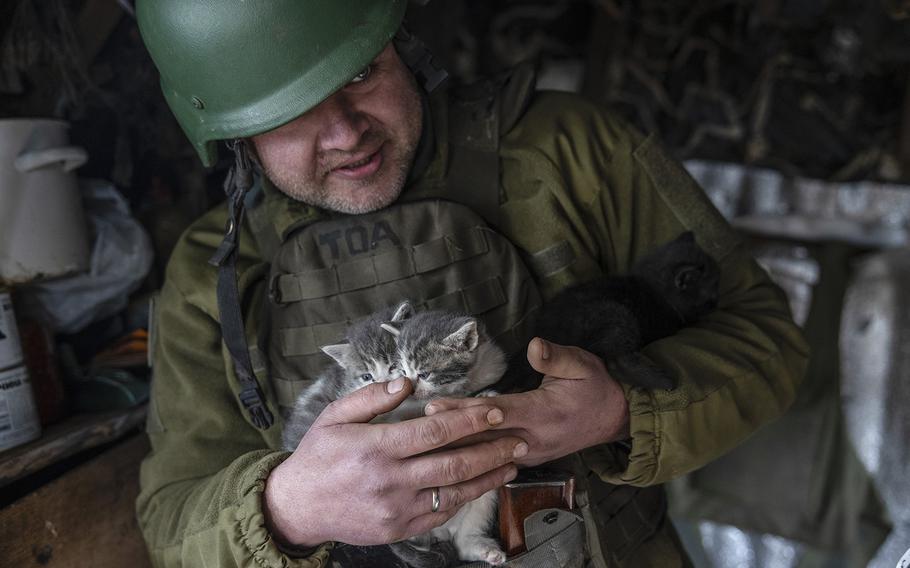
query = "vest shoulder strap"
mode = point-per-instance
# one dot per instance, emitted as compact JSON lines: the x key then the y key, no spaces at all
{"x":479,"y":115}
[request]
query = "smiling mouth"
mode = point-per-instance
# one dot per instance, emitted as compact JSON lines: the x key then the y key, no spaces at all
{"x":359,"y":163}
{"x":361,"y":169}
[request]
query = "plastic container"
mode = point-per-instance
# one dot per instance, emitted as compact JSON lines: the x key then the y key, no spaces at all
{"x":10,"y":344}
{"x":19,"y":422}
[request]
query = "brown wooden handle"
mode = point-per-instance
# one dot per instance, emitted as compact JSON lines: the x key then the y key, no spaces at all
{"x":529,"y":493}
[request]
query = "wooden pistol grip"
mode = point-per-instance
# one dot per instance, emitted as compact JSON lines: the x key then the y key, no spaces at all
{"x":520,"y":499}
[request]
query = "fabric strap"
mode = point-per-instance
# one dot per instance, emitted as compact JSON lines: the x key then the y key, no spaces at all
{"x":236,"y":186}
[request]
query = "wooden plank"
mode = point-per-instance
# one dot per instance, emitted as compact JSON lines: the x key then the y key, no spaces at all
{"x":68,"y":438}
{"x":84,"y":519}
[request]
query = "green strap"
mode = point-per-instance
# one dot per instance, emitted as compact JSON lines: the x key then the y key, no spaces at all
{"x":552,"y":259}
{"x":479,"y":115}
{"x":474,"y":143}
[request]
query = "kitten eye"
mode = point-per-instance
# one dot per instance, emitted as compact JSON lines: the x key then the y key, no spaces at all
{"x":687,"y":278}
{"x":363,"y":75}
{"x":422,"y":376}
{"x":366,"y":377}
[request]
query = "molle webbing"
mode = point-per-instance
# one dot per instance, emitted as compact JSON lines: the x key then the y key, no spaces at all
{"x":437,"y":254}
{"x":382,"y":268}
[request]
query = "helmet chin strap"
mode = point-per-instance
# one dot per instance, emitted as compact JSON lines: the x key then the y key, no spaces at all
{"x":419,"y":59}
{"x":236,"y":186}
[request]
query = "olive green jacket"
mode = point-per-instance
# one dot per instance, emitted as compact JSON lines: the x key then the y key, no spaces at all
{"x":571,"y":172}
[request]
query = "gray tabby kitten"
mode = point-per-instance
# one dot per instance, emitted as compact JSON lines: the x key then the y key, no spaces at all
{"x":447,"y":355}
{"x":367,"y":357}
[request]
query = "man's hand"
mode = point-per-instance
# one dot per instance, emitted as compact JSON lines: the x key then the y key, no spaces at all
{"x":362,"y":483}
{"x":578,"y":405}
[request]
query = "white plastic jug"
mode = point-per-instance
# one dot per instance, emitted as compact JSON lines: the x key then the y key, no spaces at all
{"x":42,"y":226}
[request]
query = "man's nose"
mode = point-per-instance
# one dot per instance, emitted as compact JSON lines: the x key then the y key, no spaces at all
{"x":343,"y":124}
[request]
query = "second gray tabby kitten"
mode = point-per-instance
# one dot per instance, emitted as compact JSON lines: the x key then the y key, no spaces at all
{"x":449,"y":355}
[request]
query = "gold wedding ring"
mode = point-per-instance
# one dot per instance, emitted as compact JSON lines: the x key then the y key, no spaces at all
{"x":435,"y":506}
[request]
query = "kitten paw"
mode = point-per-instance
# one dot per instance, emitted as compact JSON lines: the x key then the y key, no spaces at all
{"x":484,"y":549}
{"x":495,"y":557}
{"x":487,"y":393}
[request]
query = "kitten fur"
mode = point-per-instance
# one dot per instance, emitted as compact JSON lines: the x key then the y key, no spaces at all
{"x":445,"y":355}
{"x":614,"y":317}
{"x":367,"y":357}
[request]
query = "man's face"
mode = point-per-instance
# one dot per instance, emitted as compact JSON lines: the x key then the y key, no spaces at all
{"x":352,"y":152}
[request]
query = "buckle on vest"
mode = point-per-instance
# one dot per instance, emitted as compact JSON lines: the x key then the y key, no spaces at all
{"x":274,"y":290}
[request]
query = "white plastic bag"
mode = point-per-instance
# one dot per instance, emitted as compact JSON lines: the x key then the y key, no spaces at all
{"x":120,"y":259}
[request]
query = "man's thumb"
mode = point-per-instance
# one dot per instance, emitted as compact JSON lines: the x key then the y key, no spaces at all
{"x":367,"y":403}
{"x":561,"y":361}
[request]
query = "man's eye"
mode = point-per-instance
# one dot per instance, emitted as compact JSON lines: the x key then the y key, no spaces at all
{"x":362,"y":76}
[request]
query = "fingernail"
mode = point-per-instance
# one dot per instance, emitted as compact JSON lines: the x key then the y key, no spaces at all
{"x":430,"y":409}
{"x":520,"y":451}
{"x":544,"y":348}
{"x":396,"y":385}
{"x":495,"y":417}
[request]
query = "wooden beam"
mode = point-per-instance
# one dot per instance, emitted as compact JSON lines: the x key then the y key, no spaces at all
{"x":68,"y":438}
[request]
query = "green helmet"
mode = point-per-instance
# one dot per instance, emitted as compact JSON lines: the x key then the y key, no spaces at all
{"x":237,"y":69}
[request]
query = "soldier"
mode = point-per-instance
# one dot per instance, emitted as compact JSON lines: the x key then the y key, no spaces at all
{"x":358,"y":183}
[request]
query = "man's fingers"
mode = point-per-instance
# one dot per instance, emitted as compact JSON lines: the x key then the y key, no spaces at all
{"x":366,"y":404}
{"x":452,"y":497}
{"x":420,"y":435}
{"x":561,"y":361}
{"x":440,"y":404}
{"x":459,"y":465}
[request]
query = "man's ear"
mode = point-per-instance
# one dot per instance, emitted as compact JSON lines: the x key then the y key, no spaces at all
{"x":340,"y":352}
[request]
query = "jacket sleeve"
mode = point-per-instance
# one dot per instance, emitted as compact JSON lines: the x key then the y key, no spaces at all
{"x":202,"y":483}
{"x":737,"y":368}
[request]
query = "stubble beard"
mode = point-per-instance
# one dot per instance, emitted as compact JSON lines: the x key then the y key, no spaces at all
{"x":397,"y":160}
{"x":318,"y":190}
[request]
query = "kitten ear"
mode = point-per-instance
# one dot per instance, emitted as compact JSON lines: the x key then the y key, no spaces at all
{"x":467,"y":337}
{"x":340,"y":352}
{"x":403,"y":311}
{"x":391,"y":329}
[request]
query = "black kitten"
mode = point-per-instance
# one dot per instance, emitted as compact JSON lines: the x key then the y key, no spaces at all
{"x":614,"y":317}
